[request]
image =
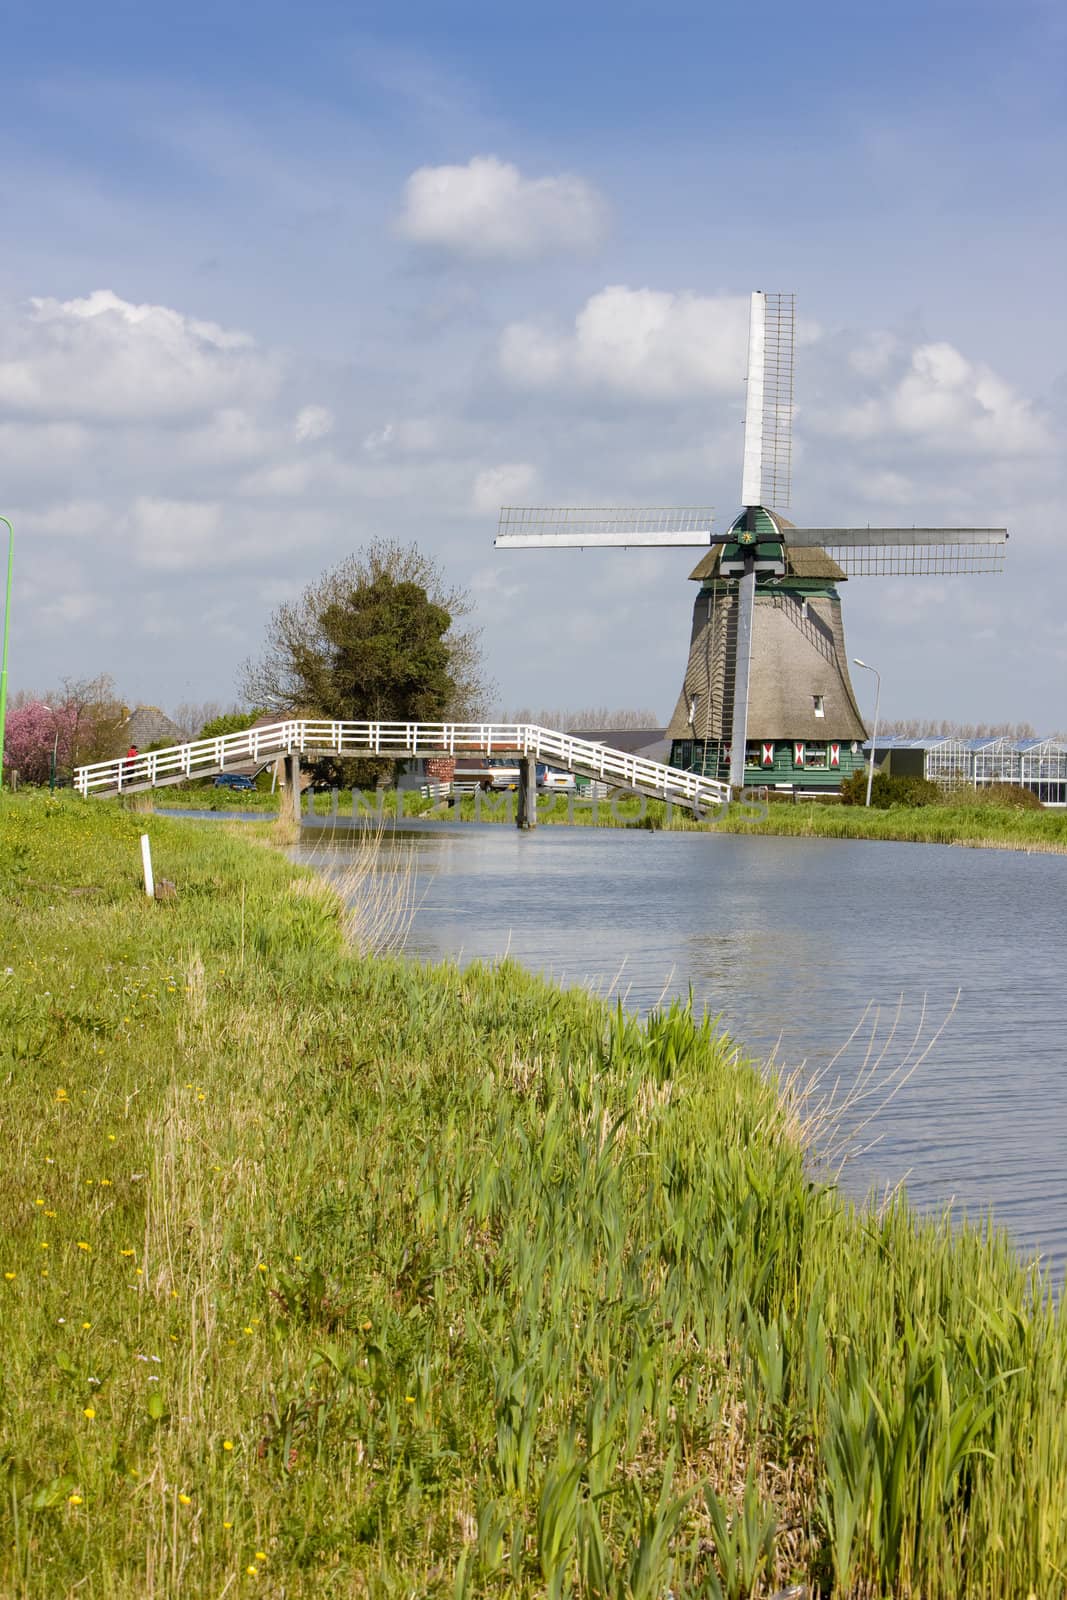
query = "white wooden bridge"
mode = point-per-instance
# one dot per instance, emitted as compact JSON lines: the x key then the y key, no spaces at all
{"x":304,"y":738}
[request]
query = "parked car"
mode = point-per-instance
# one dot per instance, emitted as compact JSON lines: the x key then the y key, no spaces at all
{"x":485,"y":772}
{"x":234,"y":780}
{"x":553,"y":780}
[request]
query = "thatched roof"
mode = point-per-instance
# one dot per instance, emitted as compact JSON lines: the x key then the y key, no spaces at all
{"x":798,"y":653}
{"x":801,"y":561}
{"x":146,"y":725}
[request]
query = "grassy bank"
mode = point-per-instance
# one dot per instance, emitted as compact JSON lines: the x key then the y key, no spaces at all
{"x":336,"y":1276}
{"x":976,"y":825}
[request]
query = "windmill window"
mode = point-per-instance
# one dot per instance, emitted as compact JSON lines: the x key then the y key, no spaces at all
{"x":817,"y":702}
{"x":815,"y":755}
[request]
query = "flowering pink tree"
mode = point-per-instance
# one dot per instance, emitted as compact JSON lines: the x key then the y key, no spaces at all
{"x":31,"y":735}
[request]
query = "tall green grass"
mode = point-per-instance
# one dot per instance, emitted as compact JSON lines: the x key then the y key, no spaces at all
{"x":327,"y":1274}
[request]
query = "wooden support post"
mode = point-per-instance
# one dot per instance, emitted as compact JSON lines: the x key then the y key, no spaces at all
{"x":292,"y":786}
{"x":526,"y":816}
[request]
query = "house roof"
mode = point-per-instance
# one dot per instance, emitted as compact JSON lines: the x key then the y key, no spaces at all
{"x":146,"y":725}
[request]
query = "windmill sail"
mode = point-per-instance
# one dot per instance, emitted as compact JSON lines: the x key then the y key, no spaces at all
{"x":765,"y":473}
{"x":586,"y":527}
{"x":908,"y":552}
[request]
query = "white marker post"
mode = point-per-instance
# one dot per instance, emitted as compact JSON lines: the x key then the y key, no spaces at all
{"x":146,"y":862}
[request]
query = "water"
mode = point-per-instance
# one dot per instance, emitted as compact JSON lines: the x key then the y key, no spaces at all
{"x":789,"y":940}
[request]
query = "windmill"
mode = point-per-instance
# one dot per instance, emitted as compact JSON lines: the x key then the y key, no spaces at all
{"x":767,"y":654}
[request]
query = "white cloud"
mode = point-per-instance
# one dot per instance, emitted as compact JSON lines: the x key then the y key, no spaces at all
{"x":312,"y":422}
{"x":507,"y":484}
{"x":103,"y":358}
{"x":646,"y":342}
{"x":488,"y":209}
{"x":947,"y":403}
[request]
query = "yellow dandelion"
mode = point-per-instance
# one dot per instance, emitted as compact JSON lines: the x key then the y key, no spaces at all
{"x":89,"y":1412}
{"x":139,"y":1271}
{"x":44,"y":1244}
{"x":201,"y":1097}
{"x":262,"y":1267}
{"x":174,"y":1294}
{"x":111,"y":1136}
{"x":105,"y":1183}
{"x":38,"y":1202}
{"x":186,"y":1499}
{"x":61,"y":1094}
{"x":74,"y":1499}
{"x":251,"y":1571}
{"x":44,"y":1272}
{"x":410,"y":1398}
{"x":261,"y":1555}
{"x":10,"y":1276}
{"x":227,"y":1444}
{"x":247,"y":1330}
{"x":51,"y":1213}
{"x":83,"y":1244}
{"x":227,"y":1524}
{"x":126,"y":1252}
{"x":86,"y":1324}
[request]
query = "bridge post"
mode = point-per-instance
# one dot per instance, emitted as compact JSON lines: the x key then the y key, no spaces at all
{"x":292,"y":786}
{"x":526,"y":815}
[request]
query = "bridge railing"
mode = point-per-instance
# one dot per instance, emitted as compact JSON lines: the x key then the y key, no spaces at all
{"x":397,"y":740}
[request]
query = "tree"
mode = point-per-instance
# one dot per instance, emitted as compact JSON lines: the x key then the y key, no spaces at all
{"x":628,"y":718}
{"x":225,"y":722}
{"x":84,"y":712}
{"x":388,"y":659}
{"x":376,"y":637}
{"x":192,"y":716}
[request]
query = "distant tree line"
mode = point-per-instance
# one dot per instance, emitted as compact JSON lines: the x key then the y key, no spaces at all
{"x":931,"y":728}
{"x":591,"y":717}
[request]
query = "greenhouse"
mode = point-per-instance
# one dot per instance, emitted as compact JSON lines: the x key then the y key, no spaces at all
{"x":1039,"y":765}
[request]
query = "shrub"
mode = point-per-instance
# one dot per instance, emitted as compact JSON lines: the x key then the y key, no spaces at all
{"x":889,"y":791}
{"x":1008,"y":796}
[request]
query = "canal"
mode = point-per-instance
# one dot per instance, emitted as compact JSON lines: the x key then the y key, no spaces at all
{"x":793,"y":943}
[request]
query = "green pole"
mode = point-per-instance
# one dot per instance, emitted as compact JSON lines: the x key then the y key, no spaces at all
{"x":3,"y":658}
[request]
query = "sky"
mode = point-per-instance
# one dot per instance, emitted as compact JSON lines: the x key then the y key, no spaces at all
{"x":276,"y":281}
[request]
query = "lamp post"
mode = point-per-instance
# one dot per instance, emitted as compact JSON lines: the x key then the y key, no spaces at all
{"x":3,"y":653}
{"x":874,"y":734}
{"x":55,"y":750}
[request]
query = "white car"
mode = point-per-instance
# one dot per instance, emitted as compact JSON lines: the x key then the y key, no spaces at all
{"x":550,"y":780}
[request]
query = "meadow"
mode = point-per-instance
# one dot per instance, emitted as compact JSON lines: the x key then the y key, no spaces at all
{"x":328,"y":1273}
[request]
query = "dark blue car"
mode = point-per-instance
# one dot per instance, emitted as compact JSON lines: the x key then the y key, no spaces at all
{"x":234,"y":780}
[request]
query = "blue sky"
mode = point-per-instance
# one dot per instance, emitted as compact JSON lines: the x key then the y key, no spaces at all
{"x":273,"y":282}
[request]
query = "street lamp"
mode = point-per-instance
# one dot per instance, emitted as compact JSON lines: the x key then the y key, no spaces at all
{"x":3,"y":655}
{"x":55,"y":750}
{"x":874,"y":734}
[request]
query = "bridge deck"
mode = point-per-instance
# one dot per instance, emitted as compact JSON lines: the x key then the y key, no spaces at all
{"x":205,"y":758}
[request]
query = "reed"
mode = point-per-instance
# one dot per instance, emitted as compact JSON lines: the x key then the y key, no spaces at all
{"x":330,"y":1273}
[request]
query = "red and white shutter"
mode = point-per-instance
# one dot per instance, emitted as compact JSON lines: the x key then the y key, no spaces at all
{"x":767,"y":755}
{"x":727,"y":752}
{"x":835,"y":755}
{"x":798,"y":753}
